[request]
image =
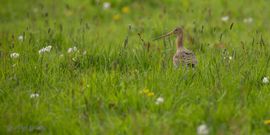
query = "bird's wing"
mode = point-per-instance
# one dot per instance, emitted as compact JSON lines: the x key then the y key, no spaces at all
{"x":188,"y":57}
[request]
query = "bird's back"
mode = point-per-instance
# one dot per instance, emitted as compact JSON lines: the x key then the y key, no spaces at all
{"x":184,"y":57}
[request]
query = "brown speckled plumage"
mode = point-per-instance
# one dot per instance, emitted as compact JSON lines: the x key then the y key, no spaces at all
{"x":182,"y":56}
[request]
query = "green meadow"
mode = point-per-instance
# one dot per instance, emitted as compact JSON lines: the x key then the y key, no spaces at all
{"x":92,"y":67}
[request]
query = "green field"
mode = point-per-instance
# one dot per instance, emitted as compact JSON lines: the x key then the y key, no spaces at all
{"x":100,"y":77}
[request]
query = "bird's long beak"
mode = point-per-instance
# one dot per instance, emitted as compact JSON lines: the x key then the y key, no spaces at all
{"x":163,"y":36}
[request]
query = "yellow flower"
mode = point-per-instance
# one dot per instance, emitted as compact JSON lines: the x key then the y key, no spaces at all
{"x":144,"y":91}
{"x":125,"y":9}
{"x":150,"y":94}
{"x":147,"y":92}
{"x":116,"y":17}
{"x":267,"y":122}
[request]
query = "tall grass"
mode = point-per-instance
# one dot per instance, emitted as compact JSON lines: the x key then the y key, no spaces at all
{"x":97,"y":89}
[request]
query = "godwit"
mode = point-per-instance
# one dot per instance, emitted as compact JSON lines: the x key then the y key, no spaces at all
{"x":182,"y":56}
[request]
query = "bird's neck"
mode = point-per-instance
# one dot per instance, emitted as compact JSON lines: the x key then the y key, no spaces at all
{"x":179,"y":41}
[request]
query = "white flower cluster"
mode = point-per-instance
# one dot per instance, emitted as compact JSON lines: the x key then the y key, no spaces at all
{"x":248,"y":20}
{"x":265,"y":80}
{"x":225,"y":18}
{"x":72,"y":49}
{"x":203,"y":130}
{"x":20,"y":38}
{"x":45,"y":49}
{"x":159,"y":100}
{"x":106,"y":5}
{"x":14,"y":55}
{"x":34,"y":95}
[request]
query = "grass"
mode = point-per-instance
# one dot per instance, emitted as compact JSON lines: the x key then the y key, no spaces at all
{"x":100,"y":92}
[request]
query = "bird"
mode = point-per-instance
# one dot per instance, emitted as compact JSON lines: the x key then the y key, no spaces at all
{"x":182,"y":56}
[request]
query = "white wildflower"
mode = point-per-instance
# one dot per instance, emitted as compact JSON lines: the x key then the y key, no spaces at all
{"x":225,"y":18}
{"x":20,"y":38}
{"x":230,"y":57}
{"x":14,"y":55}
{"x":159,"y":100}
{"x":203,"y":130}
{"x":34,"y":95}
{"x":45,"y":49}
{"x":106,"y":5}
{"x":73,"y":49}
{"x":265,"y":80}
{"x":248,"y":20}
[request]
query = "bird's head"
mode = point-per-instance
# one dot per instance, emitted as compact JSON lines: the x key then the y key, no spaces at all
{"x":177,"y":31}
